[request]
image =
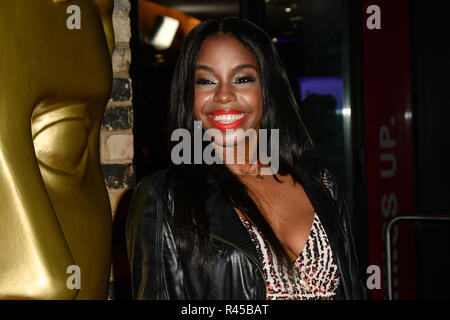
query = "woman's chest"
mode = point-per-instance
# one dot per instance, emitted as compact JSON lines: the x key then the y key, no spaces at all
{"x":289,"y":212}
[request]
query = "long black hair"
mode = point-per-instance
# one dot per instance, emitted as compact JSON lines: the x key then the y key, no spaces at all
{"x":280,"y":111}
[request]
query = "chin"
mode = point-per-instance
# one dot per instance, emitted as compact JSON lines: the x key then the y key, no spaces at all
{"x":236,"y":138}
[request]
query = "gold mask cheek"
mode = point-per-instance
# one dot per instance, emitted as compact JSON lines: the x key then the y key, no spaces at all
{"x":53,"y":201}
{"x":105,"y":8}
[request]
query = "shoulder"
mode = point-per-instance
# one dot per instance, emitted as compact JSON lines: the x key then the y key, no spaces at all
{"x":321,"y":172}
{"x":147,"y":199}
{"x":152,"y":187}
{"x":153,"y":182}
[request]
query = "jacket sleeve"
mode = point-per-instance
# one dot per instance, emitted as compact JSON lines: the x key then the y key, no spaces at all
{"x":144,"y":243}
{"x":358,"y":291}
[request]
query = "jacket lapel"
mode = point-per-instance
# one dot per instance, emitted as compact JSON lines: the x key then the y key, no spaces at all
{"x":327,"y":210}
{"x":225,"y":223}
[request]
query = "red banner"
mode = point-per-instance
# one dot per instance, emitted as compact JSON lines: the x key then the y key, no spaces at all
{"x":389,"y":154}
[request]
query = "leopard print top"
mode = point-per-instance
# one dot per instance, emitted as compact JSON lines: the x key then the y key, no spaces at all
{"x":315,"y":276}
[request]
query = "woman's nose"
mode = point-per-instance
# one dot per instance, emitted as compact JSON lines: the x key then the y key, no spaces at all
{"x":224,"y":94}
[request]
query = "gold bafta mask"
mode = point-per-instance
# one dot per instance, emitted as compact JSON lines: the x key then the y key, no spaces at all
{"x":55,"y":80}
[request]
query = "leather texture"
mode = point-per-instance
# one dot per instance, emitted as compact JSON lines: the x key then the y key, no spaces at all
{"x":235,"y":271}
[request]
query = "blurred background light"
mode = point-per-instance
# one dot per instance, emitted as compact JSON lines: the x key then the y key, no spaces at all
{"x":164,"y":32}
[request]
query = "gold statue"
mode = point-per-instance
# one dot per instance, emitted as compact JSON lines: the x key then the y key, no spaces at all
{"x":55,"y":80}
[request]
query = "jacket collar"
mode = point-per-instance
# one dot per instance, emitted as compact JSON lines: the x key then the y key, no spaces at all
{"x":323,"y":203}
{"x":224,"y":219}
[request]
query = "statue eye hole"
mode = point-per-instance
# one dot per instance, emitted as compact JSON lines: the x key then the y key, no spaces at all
{"x":62,"y":146}
{"x":60,"y":135}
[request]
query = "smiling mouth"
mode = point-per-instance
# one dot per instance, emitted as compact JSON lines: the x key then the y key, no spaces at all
{"x":227,"y":119}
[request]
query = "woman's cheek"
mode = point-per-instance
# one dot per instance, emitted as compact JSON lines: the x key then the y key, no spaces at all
{"x":200,"y":103}
{"x":254,"y":100}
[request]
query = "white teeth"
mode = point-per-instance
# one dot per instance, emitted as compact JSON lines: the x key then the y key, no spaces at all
{"x":228,"y":118}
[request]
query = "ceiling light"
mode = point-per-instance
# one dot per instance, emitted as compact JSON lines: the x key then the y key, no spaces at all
{"x":164,"y":33}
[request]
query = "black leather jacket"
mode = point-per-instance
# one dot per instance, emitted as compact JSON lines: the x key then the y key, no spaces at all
{"x":236,"y":272}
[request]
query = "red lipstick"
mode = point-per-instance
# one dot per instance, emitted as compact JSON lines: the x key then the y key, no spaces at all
{"x":227,"y":119}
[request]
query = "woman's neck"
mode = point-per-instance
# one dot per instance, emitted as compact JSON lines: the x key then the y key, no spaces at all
{"x":240,"y":158}
{"x":244,"y":169}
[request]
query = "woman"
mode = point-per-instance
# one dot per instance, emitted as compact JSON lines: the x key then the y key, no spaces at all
{"x":226,"y":230}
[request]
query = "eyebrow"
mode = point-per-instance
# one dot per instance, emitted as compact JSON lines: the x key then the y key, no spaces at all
{"x":239,"y":67}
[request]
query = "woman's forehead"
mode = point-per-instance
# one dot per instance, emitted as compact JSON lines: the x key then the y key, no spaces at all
{"x":222,"y":48}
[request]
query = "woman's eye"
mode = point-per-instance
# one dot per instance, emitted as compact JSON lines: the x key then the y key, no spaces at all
{"x":245,"y":79}
{"x":204,"y":81}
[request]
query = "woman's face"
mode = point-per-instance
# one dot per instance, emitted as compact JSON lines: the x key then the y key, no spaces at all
{"x":228,"y":92}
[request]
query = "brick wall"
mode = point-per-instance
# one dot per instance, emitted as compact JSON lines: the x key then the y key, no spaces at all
{"x":116,"y":147}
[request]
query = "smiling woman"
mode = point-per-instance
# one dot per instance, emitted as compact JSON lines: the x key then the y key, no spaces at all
{"x":213,"y":231}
